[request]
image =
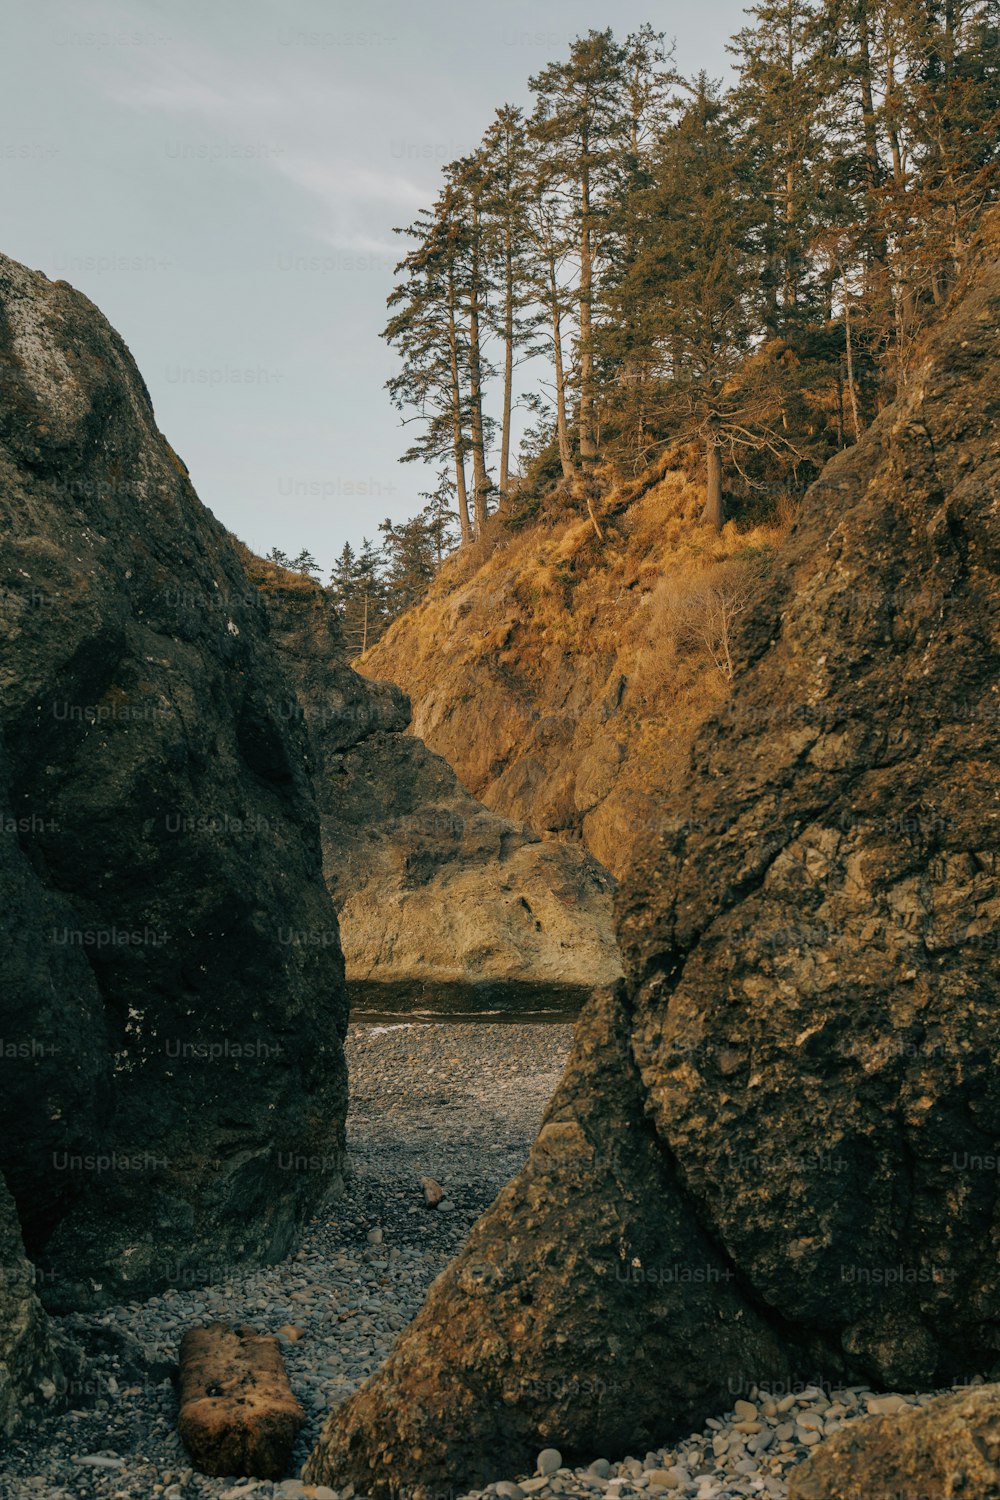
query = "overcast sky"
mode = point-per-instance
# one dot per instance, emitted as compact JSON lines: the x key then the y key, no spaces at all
{"x":222,"y":179}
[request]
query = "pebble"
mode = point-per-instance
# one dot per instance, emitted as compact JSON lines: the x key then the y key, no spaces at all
{"x":508,"y":1491}
{"x":883,"y":1406}
{"x":549,"y":1460}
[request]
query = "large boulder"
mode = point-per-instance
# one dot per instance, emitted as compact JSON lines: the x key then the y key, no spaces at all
{"x":441,"y":902}
{"x":173,"y":1088}
{"x":31,"y":1375}
{"x":810,"y":1110}
{"x":948,"y":1449}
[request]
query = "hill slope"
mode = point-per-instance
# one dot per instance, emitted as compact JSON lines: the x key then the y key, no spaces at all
{"x":440,"y":902}
{"x":564,"y":673}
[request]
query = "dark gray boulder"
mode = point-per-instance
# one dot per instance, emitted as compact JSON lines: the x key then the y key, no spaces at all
{"x":31,"y":1374}
{"x":173,"y":1088}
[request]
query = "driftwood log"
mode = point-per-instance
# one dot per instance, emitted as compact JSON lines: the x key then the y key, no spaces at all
{"x":237,"y":1412}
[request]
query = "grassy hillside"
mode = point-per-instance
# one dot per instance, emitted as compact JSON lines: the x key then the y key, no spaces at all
{"x":562,"y":665}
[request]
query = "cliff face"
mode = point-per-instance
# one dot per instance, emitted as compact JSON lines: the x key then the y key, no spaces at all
{"x":172,"y":1085}
{"x":772,"y":1154}
{"x":563,"y":675}
{"x":441,"y":902}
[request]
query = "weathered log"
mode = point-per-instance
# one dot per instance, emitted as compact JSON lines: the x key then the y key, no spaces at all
{"x":237,"y":1411}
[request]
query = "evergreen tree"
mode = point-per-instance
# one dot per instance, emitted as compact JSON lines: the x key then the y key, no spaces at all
{"x":775,"y":108}
{"x":409,"y":551}
{"x":750,"y":268}
{"x":439,"y":516}
{"x":467,"y":180}
{"x":691,"y":285}
{"x":579,"y":122}
{"x":358,"y":591}
{"x":427,"y":330}
{"x":507,"y":165}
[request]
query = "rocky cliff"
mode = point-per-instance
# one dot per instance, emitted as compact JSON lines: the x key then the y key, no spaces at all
{"x":564,"y":674}
{"x":441,"y":902}
{"x":172,"y":1085}
{"x":774,"y":1153}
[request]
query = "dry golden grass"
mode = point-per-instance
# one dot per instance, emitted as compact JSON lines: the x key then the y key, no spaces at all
{"x":549,"y":618}
{"x":271,"y":576}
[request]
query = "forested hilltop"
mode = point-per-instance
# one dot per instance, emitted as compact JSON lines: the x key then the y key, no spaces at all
{"x":701,"y":295}
{"x":673,"y":264}
{"x":643,"y":268}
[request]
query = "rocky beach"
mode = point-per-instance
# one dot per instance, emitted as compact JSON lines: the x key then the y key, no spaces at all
{"x":459,"y":1102}
{"x":506,"y":1010}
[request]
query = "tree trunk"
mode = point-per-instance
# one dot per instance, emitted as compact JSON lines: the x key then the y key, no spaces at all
{"x":714,"y":513}
{"x":458,"y":437}
{"x":508,"y":363}
{"x":562,"y":426}
{"x":588,"y":448}
{"x":481,"y":479}
{"x":867,"y":98}
{"x":850,"y":363}
{"x":791,"y":267}
{"x":237,"y":1411}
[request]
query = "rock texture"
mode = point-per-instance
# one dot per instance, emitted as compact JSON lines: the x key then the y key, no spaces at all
{"x":555,"y":673}
{"x":441,"y":903}
{"x":173,"y":1088}
{"x":31,"y":1375}
{"x":237,"y":1412}
{"x":798,"y":1096}
{"x":948,"y":1449}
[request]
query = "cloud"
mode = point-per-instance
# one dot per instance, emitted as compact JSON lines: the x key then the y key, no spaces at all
{"x":317,"y":127}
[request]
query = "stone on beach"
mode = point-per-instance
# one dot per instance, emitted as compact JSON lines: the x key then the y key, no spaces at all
{"x":237,"y":1411}
{"x":433,"y":1191}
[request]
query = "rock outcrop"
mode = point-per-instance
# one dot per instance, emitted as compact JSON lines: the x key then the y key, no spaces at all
{"x":946,"y":1449}
{"x":173,"y":1088}
{"x":31,"y":1375}
{"x":796,"y":1099}
{"x":441,"y":903}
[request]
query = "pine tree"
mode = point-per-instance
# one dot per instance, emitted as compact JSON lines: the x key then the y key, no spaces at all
{"x":358,"y":592}
{"x":409,"y":551}
{"x":691,"y":284}
{"x":775,"y":107}
{"x":427,"y":330}
{"x":506,"y":157}
{"x":467,"y":181}
{"x":549,"y":285}
{"x":578,"y":120}
{"x":439,"y":516}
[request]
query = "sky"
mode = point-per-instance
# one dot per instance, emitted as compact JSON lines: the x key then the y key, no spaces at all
{"x":223,"y":180}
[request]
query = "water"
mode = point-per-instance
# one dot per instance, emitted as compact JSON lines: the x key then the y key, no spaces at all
{"x":492,"y":1001}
